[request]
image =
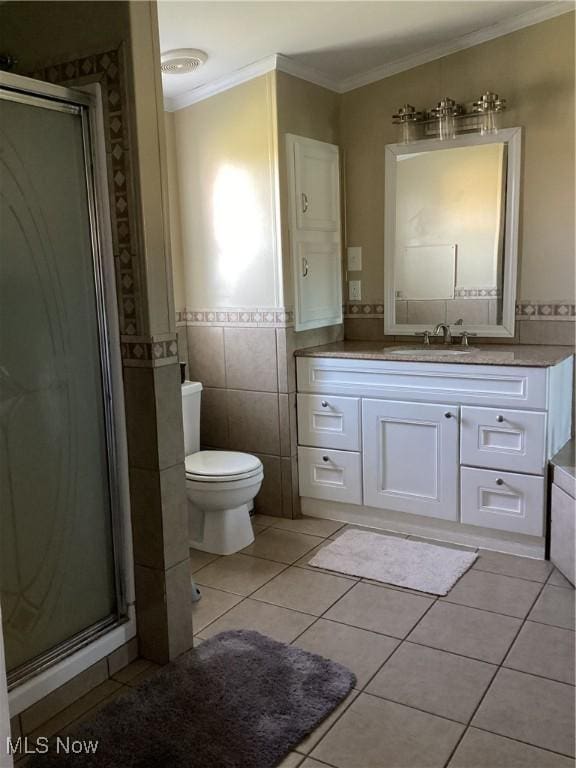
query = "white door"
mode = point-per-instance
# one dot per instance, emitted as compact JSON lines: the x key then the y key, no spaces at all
{"x":315,"y":231}
{"x":319,"y":291}
{"x":411,"y":457}
{"x":317,"y":184}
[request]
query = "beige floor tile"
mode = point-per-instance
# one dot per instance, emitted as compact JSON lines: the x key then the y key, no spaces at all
{"x":544,"y":650}
{"x":240,"y":574}
{"x":265,"y":521}
{"x":304,"y":590}
{"x":57,"y":724}
{"x":311,"y":763}
{"x":258,"y":529}
{"x":350,"y":527}
{"x":530,"y":709}
{"x":281,"y":546}
{"x":379,"y":609}
{"x":291,"y":761}
{"x":434,"y":681}
{"x":554,"y":606}
{"x":437,"y":543}
{"x":361,"y":651}
{"x":510,"y":565}
{"x":315,"y":526}
{"x":492,"y":592}
{"x":479,"y":749}
{"x":312,"y":740}
{"x":213,"y":604}
{"x":279,"y":623}
{"x":199,"y":559}
{"x":132,"y":670}
{"x":374,"y":733}
{"x":145,"y":675}
{"x":559,"y":580}
{"x":468,"y":631}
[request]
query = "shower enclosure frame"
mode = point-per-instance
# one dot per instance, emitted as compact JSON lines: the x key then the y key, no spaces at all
{"x":37,"y":678}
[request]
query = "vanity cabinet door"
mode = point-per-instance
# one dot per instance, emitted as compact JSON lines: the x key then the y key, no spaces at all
{"x":410,"y":457}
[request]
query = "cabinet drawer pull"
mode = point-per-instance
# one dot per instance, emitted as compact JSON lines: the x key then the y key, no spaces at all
{"x":325,"y":458}
{"x":499,"y":481}
{"x":324,"y":404}
{"x":500,"y":418}
{"x":448,"y":415}
{"x":304,"y":202}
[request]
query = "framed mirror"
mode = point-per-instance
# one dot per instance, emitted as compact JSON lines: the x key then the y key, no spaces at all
{"x":451,"y":234}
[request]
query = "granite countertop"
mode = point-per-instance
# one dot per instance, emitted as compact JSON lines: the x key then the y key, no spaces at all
{"x":530,"y":356}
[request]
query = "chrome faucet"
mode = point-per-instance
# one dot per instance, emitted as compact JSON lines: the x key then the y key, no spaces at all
{"x":445,"y":328}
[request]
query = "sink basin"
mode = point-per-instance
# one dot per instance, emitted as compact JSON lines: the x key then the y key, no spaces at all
{"x":430,"y":351}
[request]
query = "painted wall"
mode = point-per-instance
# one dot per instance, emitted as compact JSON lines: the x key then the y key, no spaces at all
{"x":226,"y":187}
{"x":534,"y":70}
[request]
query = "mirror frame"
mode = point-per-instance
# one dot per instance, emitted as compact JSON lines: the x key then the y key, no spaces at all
{"x":511,"y":136}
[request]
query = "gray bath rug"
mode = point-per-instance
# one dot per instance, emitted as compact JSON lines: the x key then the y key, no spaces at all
{"x":425,"y":567}
{"x":239,"y":700}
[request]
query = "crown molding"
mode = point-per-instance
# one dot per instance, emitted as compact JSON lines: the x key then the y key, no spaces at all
{"x":290,"y":66}
{"x":483,"y":35}
{"x":243,"y":75}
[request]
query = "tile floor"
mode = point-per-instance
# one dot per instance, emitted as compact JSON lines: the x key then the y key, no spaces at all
{"x":481,"y":678}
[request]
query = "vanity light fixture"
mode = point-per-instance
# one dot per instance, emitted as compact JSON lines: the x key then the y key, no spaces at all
{"x":445,"y":112}
{"x":489,"y":106}
{"x":448,"y":118}
{"x":407,"y":118}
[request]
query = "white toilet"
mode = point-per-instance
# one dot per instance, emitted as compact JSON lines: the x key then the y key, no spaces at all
{"x":220,"y":486}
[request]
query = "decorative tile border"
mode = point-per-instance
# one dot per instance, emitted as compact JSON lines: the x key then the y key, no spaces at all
{"x":364,"y":310}
{"x":149,"y":353}
{"x":525,"y":310}
{"x":546,"y":310}
{"x":108,"y":69}
{"x":271,"y":317}
{"x":477,"y":293}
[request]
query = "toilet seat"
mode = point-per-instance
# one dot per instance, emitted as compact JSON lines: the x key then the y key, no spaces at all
{"x":221,"y":466}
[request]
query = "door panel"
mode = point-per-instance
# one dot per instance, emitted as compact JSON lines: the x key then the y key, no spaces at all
{"x":317,"y":185}
{"x":329,"y":422}
{"x":411,"y":457}
{"x":330,"y":475}
{"x":319,"y":284}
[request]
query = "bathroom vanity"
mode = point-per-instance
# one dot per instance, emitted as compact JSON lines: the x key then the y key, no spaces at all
{"x":441,"y":442}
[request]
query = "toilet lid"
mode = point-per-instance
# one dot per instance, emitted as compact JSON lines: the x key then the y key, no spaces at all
{"x":221,"y":464}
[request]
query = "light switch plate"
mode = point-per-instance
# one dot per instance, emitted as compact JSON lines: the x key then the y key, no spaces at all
{"x":354,"y":259}
{"x":355,"y":290}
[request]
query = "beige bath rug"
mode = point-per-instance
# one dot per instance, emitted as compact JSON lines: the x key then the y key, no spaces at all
{"x":428,"y":568}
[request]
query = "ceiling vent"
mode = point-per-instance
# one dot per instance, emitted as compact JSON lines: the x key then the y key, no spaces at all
{"x":182,"y":61}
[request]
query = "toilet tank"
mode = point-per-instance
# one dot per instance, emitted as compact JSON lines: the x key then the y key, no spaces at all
{"x":191,"y":394}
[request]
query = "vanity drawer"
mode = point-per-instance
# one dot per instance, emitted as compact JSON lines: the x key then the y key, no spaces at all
{"x":499,"y":438}
{"x":329,"y":422}
{"x":330,"y":475}
{"x":505,"y":501}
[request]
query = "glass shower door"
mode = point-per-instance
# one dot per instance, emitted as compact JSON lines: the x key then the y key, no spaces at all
{"x":58,"y":578}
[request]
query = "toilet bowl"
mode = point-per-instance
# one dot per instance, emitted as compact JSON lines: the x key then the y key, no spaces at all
{"x":220,"y":486}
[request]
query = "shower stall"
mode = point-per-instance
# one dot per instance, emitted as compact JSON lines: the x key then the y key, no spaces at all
{"x":64,"y":545}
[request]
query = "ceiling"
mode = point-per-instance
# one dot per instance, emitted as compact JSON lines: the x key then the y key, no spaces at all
{"x":339,"y":44}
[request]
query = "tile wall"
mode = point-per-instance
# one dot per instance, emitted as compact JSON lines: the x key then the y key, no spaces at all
{"x":249,"y":397}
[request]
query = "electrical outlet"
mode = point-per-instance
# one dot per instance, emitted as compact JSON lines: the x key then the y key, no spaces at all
{"x":354,"y":259}
{"x":355,"y":290}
